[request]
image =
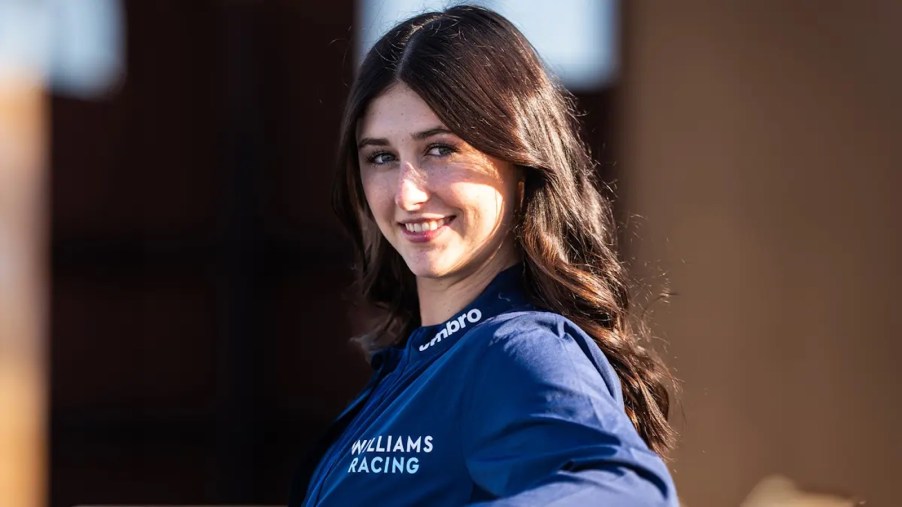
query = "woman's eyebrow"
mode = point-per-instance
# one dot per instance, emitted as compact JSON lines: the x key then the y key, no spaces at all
{"x":419,"y":136}
{"x":370,"y":141}
{"x":431,"y":132}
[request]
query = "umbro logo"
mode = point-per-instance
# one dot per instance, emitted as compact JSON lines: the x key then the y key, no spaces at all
{"x":454,"y":325}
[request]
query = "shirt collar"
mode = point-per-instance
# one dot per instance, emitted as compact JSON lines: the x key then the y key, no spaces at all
{"x":503,"y":294}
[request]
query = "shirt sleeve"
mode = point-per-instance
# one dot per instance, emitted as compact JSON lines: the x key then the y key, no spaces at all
{"x":545,"y":426}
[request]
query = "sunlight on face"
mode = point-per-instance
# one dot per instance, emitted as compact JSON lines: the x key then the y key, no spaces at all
{"x":445,"y":206}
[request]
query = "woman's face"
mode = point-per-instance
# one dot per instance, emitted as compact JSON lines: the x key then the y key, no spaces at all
{"x":446,"y":207}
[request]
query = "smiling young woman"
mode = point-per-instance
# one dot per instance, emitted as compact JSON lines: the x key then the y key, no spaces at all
{"x":505,"y":368}
{"x":445,"y":207}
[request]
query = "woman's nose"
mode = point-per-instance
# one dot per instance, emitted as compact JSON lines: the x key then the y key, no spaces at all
{"x":411,"y":192}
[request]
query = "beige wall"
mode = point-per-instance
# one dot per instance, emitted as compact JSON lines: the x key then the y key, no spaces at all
{"x":762,"y":147}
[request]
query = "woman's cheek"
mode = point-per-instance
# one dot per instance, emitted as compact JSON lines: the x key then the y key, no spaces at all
{"x":376,"y":192}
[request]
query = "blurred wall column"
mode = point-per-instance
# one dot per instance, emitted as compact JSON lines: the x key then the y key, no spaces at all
{"x":75,"y":48}
{"x":23,"y":282}
{"x":761,"y":146}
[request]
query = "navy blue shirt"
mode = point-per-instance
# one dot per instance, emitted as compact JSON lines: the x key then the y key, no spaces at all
{"x":503,"y":404}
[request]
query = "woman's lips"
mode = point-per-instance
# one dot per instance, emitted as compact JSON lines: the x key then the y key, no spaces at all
{"x":422,"y":231}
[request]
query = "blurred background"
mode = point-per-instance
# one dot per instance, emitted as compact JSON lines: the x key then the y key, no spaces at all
{"x":173,"y":317}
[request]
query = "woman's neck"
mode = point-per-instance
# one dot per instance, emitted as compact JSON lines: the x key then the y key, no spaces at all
{"x":442,"y":298}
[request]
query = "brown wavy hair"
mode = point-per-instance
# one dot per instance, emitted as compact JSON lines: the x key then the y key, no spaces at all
{"x":484,"y":80}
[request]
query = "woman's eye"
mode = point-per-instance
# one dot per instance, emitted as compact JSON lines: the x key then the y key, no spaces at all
{"x":380,"y":158}
{"x":440,"y":150}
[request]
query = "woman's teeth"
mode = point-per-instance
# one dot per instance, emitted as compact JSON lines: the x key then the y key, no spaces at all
{"x":429,"y":225}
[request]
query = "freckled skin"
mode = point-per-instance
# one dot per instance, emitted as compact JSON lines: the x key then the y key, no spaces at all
{"x":407,"y":177}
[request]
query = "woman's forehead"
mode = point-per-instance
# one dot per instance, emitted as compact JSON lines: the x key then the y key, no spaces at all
{"x":398,"y":111}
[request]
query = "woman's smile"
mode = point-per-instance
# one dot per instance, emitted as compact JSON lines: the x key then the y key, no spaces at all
{"x":426,"y":229}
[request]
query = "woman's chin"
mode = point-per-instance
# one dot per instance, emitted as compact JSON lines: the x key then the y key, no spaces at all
{"x":428,"y":268}
{"x":426,"y":271}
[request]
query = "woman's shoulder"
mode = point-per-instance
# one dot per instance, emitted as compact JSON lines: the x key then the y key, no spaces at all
{"x":541,"y":344}
{"x":536,"y":329}
{"x":532,"y":325}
